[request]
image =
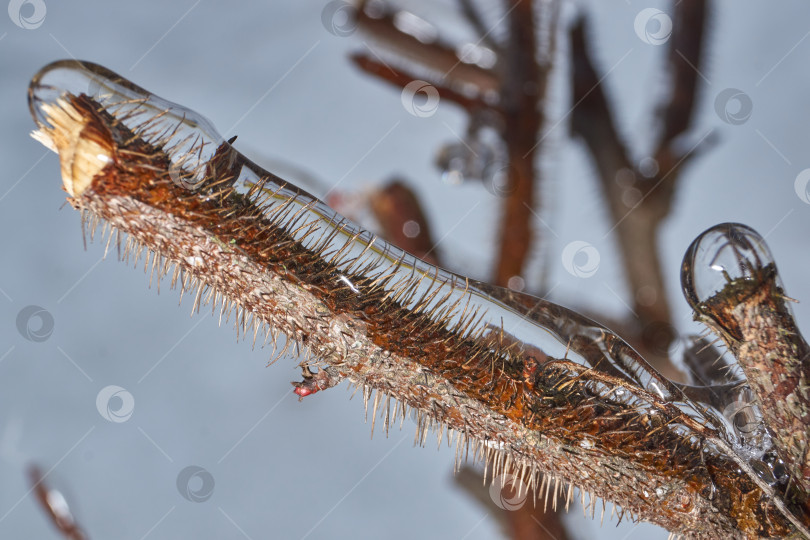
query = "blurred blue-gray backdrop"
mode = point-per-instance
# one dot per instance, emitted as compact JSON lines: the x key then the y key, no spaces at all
{"x":275,"y":76}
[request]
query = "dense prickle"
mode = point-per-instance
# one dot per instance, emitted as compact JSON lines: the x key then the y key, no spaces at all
{"x":532,"y":388}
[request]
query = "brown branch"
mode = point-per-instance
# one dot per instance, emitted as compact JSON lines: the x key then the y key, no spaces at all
{"x":751,"y":316}
{"x":523,"y":86}
{"x":402,"y":220}
{"x":685,"y":55}
{"x":637,"y":204}
{"x":401,"y":77}
{"x":52,"y":502}
{"x":514,"y":95}
{"x":432,"y":56}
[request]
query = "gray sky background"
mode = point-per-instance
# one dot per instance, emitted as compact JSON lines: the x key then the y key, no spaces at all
{"x":273,"y":75}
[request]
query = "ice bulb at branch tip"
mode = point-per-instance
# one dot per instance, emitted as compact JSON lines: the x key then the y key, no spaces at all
{"x":751,"y":438}
{"x":187,"y":137}
{"x":480,"y":156}
{"x":722,"y":254}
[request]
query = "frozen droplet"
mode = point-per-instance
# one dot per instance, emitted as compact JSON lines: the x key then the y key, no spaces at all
{"x":412,"y":24}
{"x":750,"y":435}
{"x":735,"y":406}
{"x":625,"y":177}
{"x":452,"y":161}
{"x":474,"y":53}
{"x":631,"y":197}
{"x":648,"y":167}
{"x":188,"y":138}
{"x":516,"y":283}
{"x":723,"y":254}
{"x":453,"y":177}
{"x":480,"y":156}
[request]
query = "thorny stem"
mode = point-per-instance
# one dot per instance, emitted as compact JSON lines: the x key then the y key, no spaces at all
{"x":525,"y":412}
{"x":752,"y":318}
{"x":395,"y":206}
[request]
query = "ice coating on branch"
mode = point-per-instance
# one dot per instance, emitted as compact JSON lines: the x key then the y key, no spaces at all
{"x":515,"y":327}
{"x":720,"y":263}
{"x":526,"y":380}
{"x":720,"y":255}
{"x":498,"y":320}
{"x":188,"y":138}
{"x":508,"y":324}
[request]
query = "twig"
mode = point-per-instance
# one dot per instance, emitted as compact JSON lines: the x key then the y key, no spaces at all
{"x":519,"y":515}
{"x":55,"y":506}
{"x":473,"y":16}
{"x":403,"y":221}
{"x":637,"y":204}
{"x":523,"y":87}
{"x":432,"y":57}
{"x":685,"y":61}
{"x":752,"y":318}
{"x":400,"y":77}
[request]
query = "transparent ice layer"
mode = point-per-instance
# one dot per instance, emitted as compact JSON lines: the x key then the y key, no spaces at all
{"x":721,"y":254}
{"x":715,"y":265}
{"x":188,"y":137}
